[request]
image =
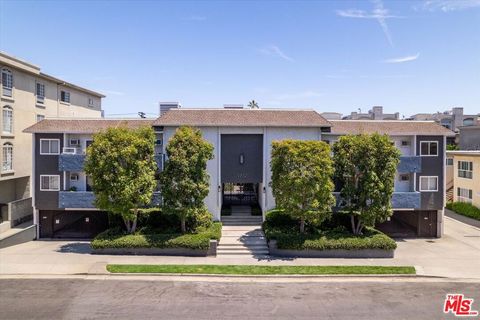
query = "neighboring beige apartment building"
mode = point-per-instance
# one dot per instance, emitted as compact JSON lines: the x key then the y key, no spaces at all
{"x":26,"y":96}
{"x":466,"y":176}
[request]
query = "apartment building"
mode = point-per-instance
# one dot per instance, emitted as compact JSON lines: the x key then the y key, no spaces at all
{"x":419,"y":197}
{"x":465,"y":166}
{"x":28,"y":96}
{"x":451,"y":119}
{"x":242,"y":148}
{"x":376,"y":113}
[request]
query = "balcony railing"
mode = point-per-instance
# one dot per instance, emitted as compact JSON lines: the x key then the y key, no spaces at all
{"x":85,"y":199}
{"x":400,"y":200}
{"x":409,"y":164}
{"x":71,"y":162}
{"x":76,"y":199}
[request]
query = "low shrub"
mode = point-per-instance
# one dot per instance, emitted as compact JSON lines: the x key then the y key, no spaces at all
{"x":465,"y":209}
{"x":279,"y":226}
{"x":148,"y":238}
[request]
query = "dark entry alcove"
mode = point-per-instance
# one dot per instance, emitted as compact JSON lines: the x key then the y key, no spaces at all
{"x":242,"y":158}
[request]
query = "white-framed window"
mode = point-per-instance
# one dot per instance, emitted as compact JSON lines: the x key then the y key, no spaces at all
{"x":7,"y":157}
{"x":465,"y":169}
{"x":7,"y":119}
{"x":429,"y":183}
{"x":49,"y":182}
{"x":74,"y":142}
{"x":49,"y":146}
{"x":449,"y":161}
{"x":40,"y":117}
{"x":429,"y":148}
{"x":40,"y":92}
{"x":464,"y":195}
{"x":90,"y":102}
{"x":65,"y":96}
{"x":73,"y":176}
{"x":7,"y":82}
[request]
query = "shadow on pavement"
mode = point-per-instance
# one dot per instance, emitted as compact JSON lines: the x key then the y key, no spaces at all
{"x":76,"y":247}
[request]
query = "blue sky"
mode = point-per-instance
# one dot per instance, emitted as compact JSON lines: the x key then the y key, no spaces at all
{"x":337,"y":56}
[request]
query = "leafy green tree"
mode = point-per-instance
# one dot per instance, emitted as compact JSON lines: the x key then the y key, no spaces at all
{"x":365,"y":167}
{"x":301,"y":179}
{"x":185,"y":181}
{"x":253,"y":105}
{"x":121,"y":164}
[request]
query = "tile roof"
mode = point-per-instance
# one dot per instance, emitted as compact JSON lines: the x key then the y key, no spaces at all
{"x":390,"y":127}
{"x":242,"y":118}
{"x":83,"y":125}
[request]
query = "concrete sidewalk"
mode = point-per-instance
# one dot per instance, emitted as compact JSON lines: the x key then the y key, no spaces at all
{"x":456,"y":255}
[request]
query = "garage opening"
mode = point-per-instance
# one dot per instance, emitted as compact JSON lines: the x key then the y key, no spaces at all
{"x":72,"y":224}
{"x":410,"y":224}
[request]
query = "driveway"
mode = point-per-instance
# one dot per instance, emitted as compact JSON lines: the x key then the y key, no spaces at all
{"x":456,"y":255}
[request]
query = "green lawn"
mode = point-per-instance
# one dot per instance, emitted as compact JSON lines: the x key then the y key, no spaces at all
{"x":258,"y":270}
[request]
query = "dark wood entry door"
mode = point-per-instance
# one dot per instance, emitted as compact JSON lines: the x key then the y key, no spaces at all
{"x":427,"y":223}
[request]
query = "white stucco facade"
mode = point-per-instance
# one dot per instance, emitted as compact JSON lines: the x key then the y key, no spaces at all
{"x":270,"y":134}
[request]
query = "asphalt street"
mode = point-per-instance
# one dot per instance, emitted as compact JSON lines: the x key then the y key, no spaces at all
{"x":139,"y":299}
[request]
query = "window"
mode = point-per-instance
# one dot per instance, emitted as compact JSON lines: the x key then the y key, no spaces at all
{"x":429,"y":148}
{"x":74,"y":177}
{"x":405,"y":143}
{"x":7,"y":157}
{"x":428,"y":183}
{"x":465,"y":169}
{"x":464,"y":195}
{"x":449,"y":161}
{"x":40,"y":117}
{"x":49,"y":146}
{"x":90,"y":102}
{"x":468,"y":122}
{"x":7,"y":122}
{"x":404,"y":177}
{"x":65,"y":96}
{"x":40,"y":92}
{"x":74,"y":142}
{"x":7,"y":82}
{"x":49,"y":183}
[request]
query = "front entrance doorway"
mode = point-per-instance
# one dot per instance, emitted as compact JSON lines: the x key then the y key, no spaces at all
{"x":240,"y":194}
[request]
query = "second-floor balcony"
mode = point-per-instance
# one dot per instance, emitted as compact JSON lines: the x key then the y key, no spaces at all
{"x":71,"y":162}
{"x":400,"y":200}
{"x":409,"y":164}
{"x":85,"y":199}
{"x":74,"y":162}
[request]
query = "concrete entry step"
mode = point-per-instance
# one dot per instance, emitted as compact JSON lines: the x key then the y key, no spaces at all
{"x":19,"y":234}
{"x":242,"y":252}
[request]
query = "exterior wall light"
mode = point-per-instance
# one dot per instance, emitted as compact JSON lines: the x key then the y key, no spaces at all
{"x":242,"y":158}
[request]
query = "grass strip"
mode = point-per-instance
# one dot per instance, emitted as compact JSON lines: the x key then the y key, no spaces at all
{"x":258,"y":270}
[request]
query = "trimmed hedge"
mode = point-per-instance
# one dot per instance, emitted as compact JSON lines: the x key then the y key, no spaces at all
{"x":116,"y":238}
{"x":281,"y":227}
{"x":465,"y":209}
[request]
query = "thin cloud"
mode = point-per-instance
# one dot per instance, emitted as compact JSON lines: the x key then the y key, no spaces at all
{"x":448,"y":5}
{"x":403,"y":59}
{"x":274,"y":50}
{"x":379,"y":13}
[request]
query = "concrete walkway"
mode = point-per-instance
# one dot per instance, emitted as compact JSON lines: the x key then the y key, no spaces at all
{"x":242,"y":235}
{"x":456,"y":255}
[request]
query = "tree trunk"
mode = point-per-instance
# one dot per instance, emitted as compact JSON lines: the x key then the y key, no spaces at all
{"x":134,"y":224}
{"x":184,"y":229}
{"x":357,"y":225}
{"x":127,"y":224}
{"x":302,"y":225}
